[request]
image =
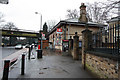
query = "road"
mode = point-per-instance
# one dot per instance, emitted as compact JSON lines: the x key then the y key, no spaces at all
{"x":6,"y":51}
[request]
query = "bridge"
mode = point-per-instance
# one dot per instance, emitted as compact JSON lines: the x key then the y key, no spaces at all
{"x":19,"y":33}
{"x":31,"y":36}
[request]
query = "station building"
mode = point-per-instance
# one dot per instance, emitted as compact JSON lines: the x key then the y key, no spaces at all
{"x":69,"y":27}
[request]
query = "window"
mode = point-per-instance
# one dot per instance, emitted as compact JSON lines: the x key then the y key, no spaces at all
{"x":80,"y":44}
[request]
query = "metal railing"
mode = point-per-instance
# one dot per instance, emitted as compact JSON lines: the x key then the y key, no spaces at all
{"x":108,"y":39}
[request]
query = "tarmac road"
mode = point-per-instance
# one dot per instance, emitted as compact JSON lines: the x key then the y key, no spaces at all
{"x":6,"y":51}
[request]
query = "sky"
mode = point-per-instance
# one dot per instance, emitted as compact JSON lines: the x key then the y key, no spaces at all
{"x":22,"y":12}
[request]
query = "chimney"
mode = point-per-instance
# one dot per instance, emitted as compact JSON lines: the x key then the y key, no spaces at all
{"x":83,"y":17}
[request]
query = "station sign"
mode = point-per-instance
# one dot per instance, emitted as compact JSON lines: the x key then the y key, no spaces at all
{"x":59,"y":31}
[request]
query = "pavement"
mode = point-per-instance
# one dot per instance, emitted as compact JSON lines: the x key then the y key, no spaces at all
{"x":51,"y":65}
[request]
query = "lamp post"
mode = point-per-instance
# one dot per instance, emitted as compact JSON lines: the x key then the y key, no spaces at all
{"x":40,"y":51}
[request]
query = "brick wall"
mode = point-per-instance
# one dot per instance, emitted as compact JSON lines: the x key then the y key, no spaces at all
{"x":104,"y":65}
{"x":79,"y":29}
{"x":45,"y":43}
{"x":101,"y":66}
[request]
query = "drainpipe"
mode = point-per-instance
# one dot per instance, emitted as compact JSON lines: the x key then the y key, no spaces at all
{"x":68,"y":32}
{"x":65,"y":31}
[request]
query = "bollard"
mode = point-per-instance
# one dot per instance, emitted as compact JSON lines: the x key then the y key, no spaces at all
{"x":39,"y":53}
{"x":31,"y":47}
{"x":6,"y":69}
{"x":29,"y":53}
{"x":23,"y":64}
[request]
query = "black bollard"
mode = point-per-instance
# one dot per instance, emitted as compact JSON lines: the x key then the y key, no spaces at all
{"x":29,"y":53}
{"x":23,"y":64}
{"x":6,"y":69}
{"x":39,"y":53}
{"x":31,"y":47}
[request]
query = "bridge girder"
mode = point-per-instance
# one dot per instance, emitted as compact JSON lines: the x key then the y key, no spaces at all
{"x":19,"y":34}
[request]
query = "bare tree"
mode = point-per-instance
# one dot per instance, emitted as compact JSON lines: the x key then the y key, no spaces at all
{"x":100,"y":12}
{"x":51,"y":24}
{"x":10,"y":26}
{"x":1,"y":17}
{"x":72,"y":13}
{"x":95,"y":12}
{"x":112,"y":6}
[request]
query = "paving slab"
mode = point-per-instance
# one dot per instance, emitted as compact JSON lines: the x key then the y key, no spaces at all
{"x":52,"y":65}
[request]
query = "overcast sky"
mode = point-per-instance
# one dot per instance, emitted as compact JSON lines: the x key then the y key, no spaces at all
{"x":22,"y":12}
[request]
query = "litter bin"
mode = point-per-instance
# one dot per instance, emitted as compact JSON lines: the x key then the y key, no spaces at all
{"x":39,"y":53}
{"x":64,"y":49}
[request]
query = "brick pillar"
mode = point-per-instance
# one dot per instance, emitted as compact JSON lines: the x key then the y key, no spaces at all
{"x":76,"y":47}
{"x":70,"y":45}
{"x":86,"y":44}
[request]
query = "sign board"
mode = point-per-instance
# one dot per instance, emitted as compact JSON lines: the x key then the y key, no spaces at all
{"x":65,"y":40}
{"x":43,"y":37}
{"x":43,"y":34}
{"x":4,"y":1}
{"x":59,"y":30}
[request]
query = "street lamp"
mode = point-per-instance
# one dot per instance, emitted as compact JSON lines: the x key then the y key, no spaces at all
{"x":40,"y":51}
{"x":40,"y":19}
{"x":40,"y":26}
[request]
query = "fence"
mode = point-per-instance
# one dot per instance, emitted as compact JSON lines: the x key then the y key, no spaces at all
{"x":108,"y":39}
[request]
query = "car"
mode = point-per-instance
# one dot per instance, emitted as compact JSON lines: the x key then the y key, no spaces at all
{"x":27,"y":46}
{"x":18,"y":46}
{"x":2,"y":44}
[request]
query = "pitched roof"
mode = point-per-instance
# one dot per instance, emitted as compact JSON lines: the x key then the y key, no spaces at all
{"x":114,"y":19}
{"x":76,"y":22}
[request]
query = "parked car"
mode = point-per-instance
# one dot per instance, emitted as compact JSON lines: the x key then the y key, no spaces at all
{"x":2,"y":44}
{"x":19,"y":46}
{"x":27,"y":46}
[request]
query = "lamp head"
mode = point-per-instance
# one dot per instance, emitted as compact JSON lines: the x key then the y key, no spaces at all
{"x":36,"y":12}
